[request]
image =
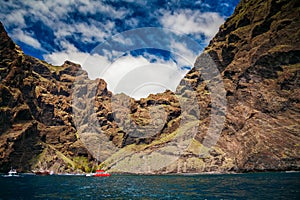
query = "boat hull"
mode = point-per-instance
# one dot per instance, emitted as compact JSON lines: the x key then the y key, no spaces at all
{"x":101,"y":175}
{"x":42,"y":173}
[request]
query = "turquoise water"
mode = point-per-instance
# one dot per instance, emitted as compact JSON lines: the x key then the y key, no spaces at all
{"x":226,"y":186}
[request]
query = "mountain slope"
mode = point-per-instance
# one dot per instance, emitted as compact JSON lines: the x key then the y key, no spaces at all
{"x":237,"y":110}
{"x":36,"y":129}
{"x":257,"y":53}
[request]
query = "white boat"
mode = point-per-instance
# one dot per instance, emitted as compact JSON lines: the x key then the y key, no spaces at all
{"x":12,"y":173}
{"x":90,"y":174}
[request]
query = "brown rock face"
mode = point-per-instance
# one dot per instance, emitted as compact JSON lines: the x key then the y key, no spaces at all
{"x":257,"y":52}
{"x":36,"y":128}
{"x":237,"y":110}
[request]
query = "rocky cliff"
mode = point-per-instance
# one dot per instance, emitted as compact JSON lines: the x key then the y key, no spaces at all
{"x":257,"y":54}
{"x":36,"y":129}
{"x":237,"y":110}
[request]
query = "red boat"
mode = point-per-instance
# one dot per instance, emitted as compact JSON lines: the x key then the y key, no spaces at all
{"x":100,"y":173}
{"x":42,"y":172}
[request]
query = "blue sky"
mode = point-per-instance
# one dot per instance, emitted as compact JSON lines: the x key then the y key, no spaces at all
{"x":110,"y":39}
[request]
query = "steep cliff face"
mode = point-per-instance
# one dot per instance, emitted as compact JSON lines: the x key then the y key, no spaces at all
{"x":36,"y":127}
{"x":257,"y":54}
{"x":241,"y":116}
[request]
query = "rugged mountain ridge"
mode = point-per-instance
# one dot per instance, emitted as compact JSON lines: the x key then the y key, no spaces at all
{"x":36,"y":127}
{"x":54,"y":117}
{"x":257,"y":51}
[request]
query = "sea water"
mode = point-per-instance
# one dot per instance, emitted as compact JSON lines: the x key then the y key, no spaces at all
{"x":280,"y":185}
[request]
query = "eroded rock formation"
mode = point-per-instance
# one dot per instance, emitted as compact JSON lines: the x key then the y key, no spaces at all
{"x":237,"y":110}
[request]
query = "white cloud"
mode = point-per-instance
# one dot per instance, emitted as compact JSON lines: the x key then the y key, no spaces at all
{"x":89,"y":33}
{"x":26,"y":38}
{"x":134,"y":76}
{"x":112,"y":54}
{"x":137,"y":77}
{"x":142,"y":77}
{"x":192,"y":22}
{"x":68,"y":47}
{"x":132,"y":22}
{"x":16,"y":18}
{"x":184,"y":55}
{"x":94,"y":7}
{"x":122,"y":39}
{"x":52,"y":13}
{"x":92,"y":63}
{"x":225,"y":4}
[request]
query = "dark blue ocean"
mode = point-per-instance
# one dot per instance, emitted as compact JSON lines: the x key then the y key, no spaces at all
{"x":225,"y":186}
